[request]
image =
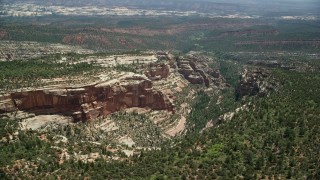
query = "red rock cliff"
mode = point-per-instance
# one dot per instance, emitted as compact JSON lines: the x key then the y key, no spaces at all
{"x":89,"y":102}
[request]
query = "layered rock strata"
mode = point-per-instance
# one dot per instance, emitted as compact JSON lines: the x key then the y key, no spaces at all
{"x":88,"y":102}
{"x":157,"y":71}
{"x":197,"y":71}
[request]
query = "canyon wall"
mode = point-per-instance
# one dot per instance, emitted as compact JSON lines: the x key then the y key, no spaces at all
{"x":88,"y":102}
{"x":256,"y":81}
{"x":196,"y":70}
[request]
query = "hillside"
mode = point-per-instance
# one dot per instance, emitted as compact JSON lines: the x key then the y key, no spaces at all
{"x":169,"y":91}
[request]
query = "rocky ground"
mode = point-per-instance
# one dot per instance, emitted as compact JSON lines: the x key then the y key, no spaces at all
{"x":121,"y":112}
{"x":14,"y":50}
{"x":255,"y":81}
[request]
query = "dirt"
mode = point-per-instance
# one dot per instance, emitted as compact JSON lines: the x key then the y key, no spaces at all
{"x":108,"y":126}
{"x":15,"y":50}
{"x":41,"y":121}
{"x":137,"y":110}
{"x":127,"y":141}
{"x":128,"y":152}
{"x":178,"y":128}
{"x":208,"y":125}
{"x":113,"y":60}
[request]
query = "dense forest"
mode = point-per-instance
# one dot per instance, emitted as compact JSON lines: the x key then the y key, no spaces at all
{"x":275,"y":137}
{"x":172,"y":33}
{"x":21,"y":74}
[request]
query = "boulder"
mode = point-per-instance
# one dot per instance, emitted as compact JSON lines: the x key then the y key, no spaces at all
{"x":195,"y":78}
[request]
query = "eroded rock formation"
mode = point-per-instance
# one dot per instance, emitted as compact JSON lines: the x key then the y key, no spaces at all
{"x":197,"y":71}
{"x":88,"y":102}
{"x":255,"y":81}
{"x":157,"y":71}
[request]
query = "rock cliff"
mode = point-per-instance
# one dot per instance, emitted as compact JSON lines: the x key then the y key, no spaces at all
{"x":255,"y":81}
{"x":196,"y":70}
{"x":157,"y":71}
{"x":88,"y":102}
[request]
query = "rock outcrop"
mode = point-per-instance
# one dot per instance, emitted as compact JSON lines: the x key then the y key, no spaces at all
{"x":157,"y":71}
{"x":197,"y":71}
{"x":6,"y":104}
{"x":88,"y":102}
{"x":256,"y":81}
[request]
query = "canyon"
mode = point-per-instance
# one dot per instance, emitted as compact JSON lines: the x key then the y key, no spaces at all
{"x":153,"y":87}
{"x":90,"y":101}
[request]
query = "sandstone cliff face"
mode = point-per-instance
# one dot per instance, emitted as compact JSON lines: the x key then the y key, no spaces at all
{"x":255,"y":82}
{"x":91,"y":101}
{"x":197,"y":71}
{"x":157,"y":71}
{"x":6,"y":104}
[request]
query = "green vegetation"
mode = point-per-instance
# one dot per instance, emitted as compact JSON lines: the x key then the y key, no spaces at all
{"x":229,"y":67}
{"x":28,"y":73}
{"x":158,"y":33}
{"x":276,"y":136}
{"x":126,"y":68}
{"x":206,"y":109}
{"x":270,"y":137}
{"x":26,"y":145}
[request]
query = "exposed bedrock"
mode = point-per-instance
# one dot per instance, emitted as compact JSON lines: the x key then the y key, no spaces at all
{"x":196,"y":70}
{"x":157,"y":71}
{"x":255,"y":81}
{"x":91,"y":101}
